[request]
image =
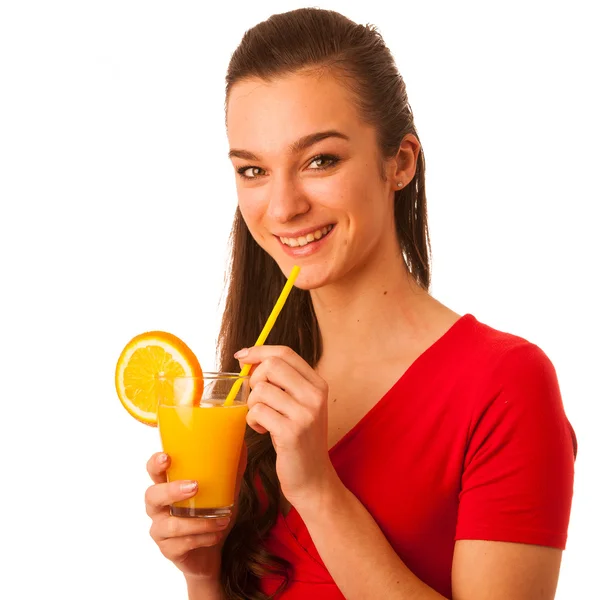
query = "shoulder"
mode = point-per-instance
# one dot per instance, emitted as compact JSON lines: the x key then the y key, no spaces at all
{"x":514,"y":383}
{"x":495,"y":357}
{"x":519,"y":447}
{"x":491,"y":343}
{"x":496,"y":365}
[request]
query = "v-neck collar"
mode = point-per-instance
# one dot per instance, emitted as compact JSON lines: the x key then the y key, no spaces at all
{"x":430,"y":353}
{"x":425,"y":356}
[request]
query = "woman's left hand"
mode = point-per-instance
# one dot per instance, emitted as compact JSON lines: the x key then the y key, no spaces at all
{"x":289,"y":400}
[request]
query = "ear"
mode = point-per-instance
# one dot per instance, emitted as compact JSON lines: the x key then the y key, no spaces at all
{"x":405,"y":161}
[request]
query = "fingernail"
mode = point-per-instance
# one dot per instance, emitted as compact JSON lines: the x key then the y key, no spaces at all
{"x":222,"y":522}
{"x":188,"y":486}
{"x":162,"y":458}
{"x":241,"y":353}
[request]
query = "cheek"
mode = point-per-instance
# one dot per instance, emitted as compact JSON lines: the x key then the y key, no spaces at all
{"x":252,"y":211}
{"x":367,"y":213}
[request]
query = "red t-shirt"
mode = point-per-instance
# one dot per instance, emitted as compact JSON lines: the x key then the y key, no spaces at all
{"x":472,"y":442}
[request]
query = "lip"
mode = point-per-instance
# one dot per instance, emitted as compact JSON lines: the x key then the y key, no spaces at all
{"x":301,"y":232}
{"x":309,"y":249}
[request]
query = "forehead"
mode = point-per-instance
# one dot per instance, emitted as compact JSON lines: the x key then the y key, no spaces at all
{"x":266,"y":116}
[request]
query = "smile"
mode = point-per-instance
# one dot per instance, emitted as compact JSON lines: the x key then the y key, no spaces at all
{"x":313,"y":236}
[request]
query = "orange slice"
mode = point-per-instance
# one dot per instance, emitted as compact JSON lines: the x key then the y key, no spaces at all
{"x":144,"y":362}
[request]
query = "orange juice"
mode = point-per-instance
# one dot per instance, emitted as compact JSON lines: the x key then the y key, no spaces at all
{"x":204,"y":443}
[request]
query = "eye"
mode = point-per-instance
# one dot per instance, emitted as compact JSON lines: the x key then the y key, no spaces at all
{"x":325,"y":160}
{"x":244,"y":172}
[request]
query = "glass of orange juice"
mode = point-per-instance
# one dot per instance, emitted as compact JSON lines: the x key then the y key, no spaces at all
{"x":204,"y":439}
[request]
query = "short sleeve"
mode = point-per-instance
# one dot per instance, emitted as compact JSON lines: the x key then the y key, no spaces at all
{"x":517,"y":482}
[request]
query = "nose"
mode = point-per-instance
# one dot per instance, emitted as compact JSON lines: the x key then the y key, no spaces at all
{"x":286,"y":200}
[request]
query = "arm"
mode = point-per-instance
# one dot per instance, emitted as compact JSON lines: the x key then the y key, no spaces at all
{"x":494,"y":570}
{"x":364,"y":565}
{"x":516,"y":487}
{"x":519,"y":456}
{"x":356,"y":553}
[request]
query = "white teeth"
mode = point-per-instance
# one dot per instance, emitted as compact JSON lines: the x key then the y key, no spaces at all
{"x":304,"y":240}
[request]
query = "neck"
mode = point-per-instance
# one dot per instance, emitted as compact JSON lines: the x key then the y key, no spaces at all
{"x":379,"y":311}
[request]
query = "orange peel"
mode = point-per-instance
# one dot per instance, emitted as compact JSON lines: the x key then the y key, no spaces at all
{"x":150,"y":360}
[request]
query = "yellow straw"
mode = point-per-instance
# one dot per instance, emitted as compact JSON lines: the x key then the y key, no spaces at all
{"x":287,"y":288}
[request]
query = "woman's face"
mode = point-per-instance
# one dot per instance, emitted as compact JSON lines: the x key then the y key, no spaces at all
{"x":308,"y":174}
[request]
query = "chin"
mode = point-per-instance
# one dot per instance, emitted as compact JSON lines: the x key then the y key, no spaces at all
{"x":311,"y":277}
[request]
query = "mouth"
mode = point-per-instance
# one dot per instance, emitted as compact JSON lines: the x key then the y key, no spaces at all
{"x":309,"y":238}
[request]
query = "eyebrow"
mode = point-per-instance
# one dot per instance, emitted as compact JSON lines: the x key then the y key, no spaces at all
{"x":298,"y":146}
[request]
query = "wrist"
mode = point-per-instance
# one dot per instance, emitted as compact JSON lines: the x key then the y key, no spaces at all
{"x":329,"y":498}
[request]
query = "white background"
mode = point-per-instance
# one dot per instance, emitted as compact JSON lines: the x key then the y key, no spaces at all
{"x":116,"y":202}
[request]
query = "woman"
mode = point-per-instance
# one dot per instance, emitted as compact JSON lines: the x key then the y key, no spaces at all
{"x":395,"y":449}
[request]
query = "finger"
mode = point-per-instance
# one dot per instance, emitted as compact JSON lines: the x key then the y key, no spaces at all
{"x":176,"y":548}
{"x":258,"y":354}
{"x":161,"y":495}
{"x":157,"y":467}
{"x":261,"y":415}
{"x":258,"y":428}
{"x":252,"y":368}
{"x":173,"y":527}
{"x":281,"y":374}
{"x":277,"y":399}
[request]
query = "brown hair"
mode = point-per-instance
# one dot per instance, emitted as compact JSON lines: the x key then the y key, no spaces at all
{"x":287,"y":43}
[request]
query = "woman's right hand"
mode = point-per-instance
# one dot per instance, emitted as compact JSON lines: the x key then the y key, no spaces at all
{"x":193,"y":544}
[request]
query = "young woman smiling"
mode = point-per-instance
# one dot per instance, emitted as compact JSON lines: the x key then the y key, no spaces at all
{"x":395,"y":448}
